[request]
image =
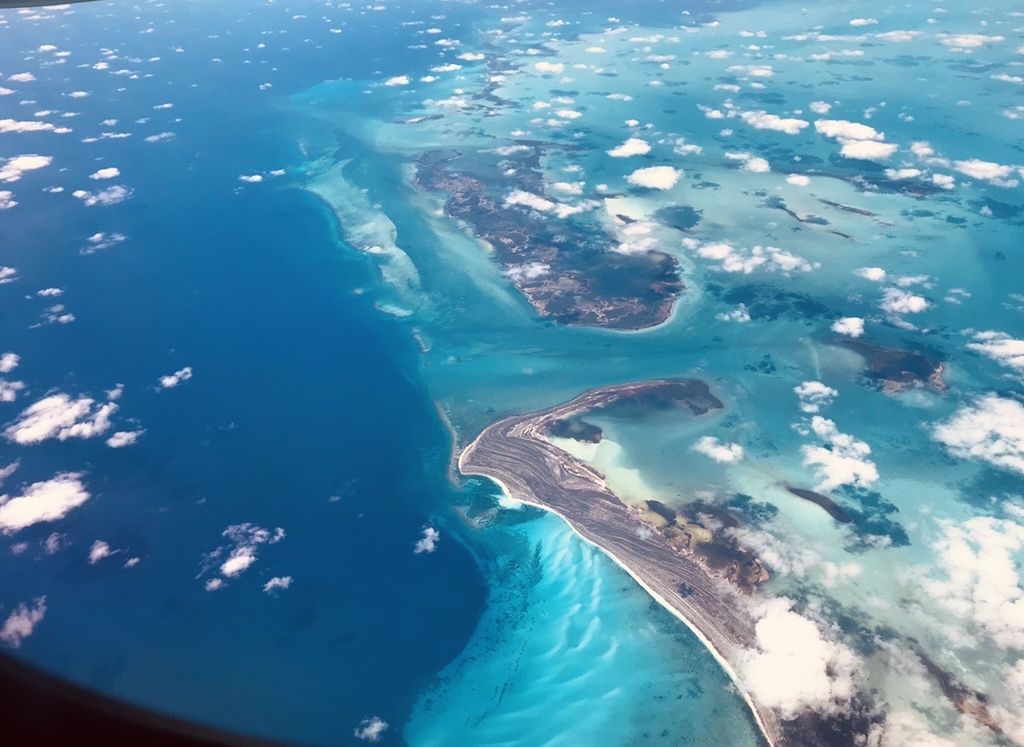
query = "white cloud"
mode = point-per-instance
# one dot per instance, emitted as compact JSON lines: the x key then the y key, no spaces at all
{"x":999,"y":346}
{"x":979,"y":579}
{"x":251,"y":178}
{"x":242,"y":551}
{"x":991,"y":430}
{"x":12,"y":169}
{"x":794,"y":667}
{"x":13,"y":125}
{"x":108,"y":196}
{"x":120,"y":439}
{"x":731,"y":259}
{"x":61,"y":417}
{"x":549,"y":67}
{"x":20,"y":624}
{"x":898,"y":36}
{"x":21,"y":78}
{"x":842,"y":129}
{"x":740,"y":315}
{"x":844,"y":461}
{"x":44,"y":501}
{"x":874,"y":274}
{"x":820,"y":107}
{"x":968,"y":41}
{"x":9,"y":390}
{"x":851,"y":326}
{"x":428,"y":542}
{"x":397,"y":80}
{"x":723,"y":453}
{"x":814,"y":395}
{"x":754,"y":71}
{"x":868,"y":150}
{"x":655,"y":177}
{"x":863,"y":21}
{"x":107,"y":173}
{"x":7,"y":200}
{"x":633,"y":146}
{"x":9,"y":362}
{"x":897,"y":301}
{"x":277,"y":582}
{"x":761,"y":120}
{"x":528,"y":271}
{"x":371,"y":729}
{"x":99,"y":551}
{"x":996,"y":174}
{"x":172,"y":380}
{"x":238,"y":562}
{"x":798,"y":180}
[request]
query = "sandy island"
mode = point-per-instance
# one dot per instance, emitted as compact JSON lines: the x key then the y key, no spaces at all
{"x":514,"y":453}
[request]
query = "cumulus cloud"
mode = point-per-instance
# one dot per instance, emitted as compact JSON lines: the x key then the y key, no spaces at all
{"x":851,"y":326}
{"x":397,"y":80}
{"x":897,"y":301}
{"x":109,"y":196}
{"x":178,"y":377}
{"x":371,"y":729}
{"x":549,"y":67}
{"x":107,"y":173}
{"x":794,"y":667}
{"x":814,"y":395}
{"x":633,"y":146}
{"x":9,"y":362}
{"x":99,"y":551}
{"x":61,"y":417}
{"x":740,"y":314}
{"x":874,"y":274}
{"x":44,"y":501}
{"x":867,"y":150}
{"x":428,"y":542}
{"x":21,"y":623}
{"x":798,"y":180}
{"x":522,"y":198}
{"x":124,"y":438}
{"x":12,"y":169}
{"x":842,"y":129}
{"x":991,"y":430}
{"x":999,"y":346}
{"x":655,"y":177}
{"x":277,"y":582}
{"x":13,"y":125}
{"x":842,"y":461}
{"x":241,"y":552}
{"x":7,"y":200}
{"x":723,"y":453}
{"x":996,"y":174}
{"x":968,"y":41}
{"x":762,"y":120}
{"x":750,"y":162}
{"x":733,"y":259}
{"x":979,"y":580}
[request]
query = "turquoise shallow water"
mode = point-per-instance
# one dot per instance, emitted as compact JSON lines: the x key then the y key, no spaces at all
{"x":324,"y":331}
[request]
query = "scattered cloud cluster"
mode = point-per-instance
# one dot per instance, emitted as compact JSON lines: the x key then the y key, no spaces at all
{"x":794,"y":667}
{"x":990,"y":430}
{"x":62,"y":417}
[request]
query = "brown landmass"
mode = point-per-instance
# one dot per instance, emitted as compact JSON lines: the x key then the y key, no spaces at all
{"x":566,"y":268}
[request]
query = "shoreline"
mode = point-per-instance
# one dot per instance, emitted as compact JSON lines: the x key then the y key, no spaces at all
{"x":715,"y":654}
{"x":712,"y":621}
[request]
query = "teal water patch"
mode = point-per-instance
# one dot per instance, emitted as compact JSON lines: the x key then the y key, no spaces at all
{"x":572,"y":652}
